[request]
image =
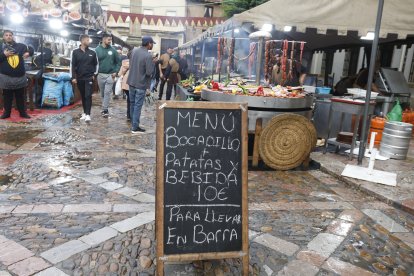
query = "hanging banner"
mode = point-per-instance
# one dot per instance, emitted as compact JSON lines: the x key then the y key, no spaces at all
{"x":166,"y":20}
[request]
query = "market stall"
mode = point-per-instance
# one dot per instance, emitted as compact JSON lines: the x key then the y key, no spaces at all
{"x":51,"y":30}
{"x":334,"y":25}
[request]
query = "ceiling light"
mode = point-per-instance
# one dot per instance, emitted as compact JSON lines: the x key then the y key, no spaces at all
{"x":236,"y":31}
{"x":287,"y":28}
{"x":369,"y":36}
{"x":64,"y":33}
{"x":267,"y":27}
{"x":16,"y":18}
{"x":56,"y":24}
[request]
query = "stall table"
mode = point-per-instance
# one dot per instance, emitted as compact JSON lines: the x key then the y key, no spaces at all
{"x":184,"y":95}
{"x":346,"y":106}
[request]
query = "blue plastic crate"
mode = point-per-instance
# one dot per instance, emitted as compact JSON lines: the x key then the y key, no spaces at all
{"x":323,"y":90}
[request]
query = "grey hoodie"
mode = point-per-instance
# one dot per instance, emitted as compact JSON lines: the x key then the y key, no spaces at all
{"x":141,"y":69}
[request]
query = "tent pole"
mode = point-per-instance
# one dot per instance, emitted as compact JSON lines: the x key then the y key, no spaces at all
{"x":259,"y":60}
{"x":369,"y":84}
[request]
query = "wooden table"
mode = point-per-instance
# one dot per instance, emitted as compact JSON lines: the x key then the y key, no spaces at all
{"x":346,"y":106}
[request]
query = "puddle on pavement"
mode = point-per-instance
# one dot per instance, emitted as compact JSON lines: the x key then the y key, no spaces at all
{"x":18,"y":136}
{"x":4,"y":180}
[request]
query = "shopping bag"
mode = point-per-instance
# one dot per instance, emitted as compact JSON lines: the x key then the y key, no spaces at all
{"x":396,"y":113}
{"x":118,"y":87}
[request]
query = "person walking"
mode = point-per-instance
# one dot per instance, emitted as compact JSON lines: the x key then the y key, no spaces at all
{"x":163,"y":65}
{"x":183,"y":66}
{"x":141,"y":69}
{"x":83,"y":68}
{"x":124,"y":73}
{"x":13,"y":78}
{"x":172,"y":75}
{"x":156,"y":76}
{"x":109,"y":65}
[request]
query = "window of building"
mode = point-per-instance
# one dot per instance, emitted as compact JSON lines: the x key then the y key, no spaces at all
{"x":171,"y":13}
{"x":208,"y":11}
{"x":148,"y":12}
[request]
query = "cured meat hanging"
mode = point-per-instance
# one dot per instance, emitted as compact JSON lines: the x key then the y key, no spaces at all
{"x":219,"y":53}
{"x":284,"y":60}
{"x":268,"y":54}
{"x":302,"y":46}
{"x":291,"y":61}
{"x":231,"y":54}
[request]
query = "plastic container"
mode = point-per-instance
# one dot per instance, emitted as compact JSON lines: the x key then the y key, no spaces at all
{"x":377,"y":125}
{"x":310,"y":89}
{"x":361,"y":93}
{"x":323,"y":90}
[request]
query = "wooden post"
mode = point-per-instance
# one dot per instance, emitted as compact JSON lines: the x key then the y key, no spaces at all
{"x":245,"y":191}
{"x":258,"y":131}
{"x":159,"y":190}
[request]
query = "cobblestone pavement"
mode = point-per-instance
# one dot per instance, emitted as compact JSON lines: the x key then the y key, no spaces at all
{"x":78,"y":199}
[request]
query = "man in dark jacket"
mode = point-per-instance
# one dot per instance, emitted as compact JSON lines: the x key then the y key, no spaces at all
{"x":13,"y":78}
{"x":84,"y":67}
{"x":183,"y":66}
{"x":141,"y":70}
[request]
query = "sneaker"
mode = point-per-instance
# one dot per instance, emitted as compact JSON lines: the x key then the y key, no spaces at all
{"x":25,"y":115}
{"x":138,"y":131}
{"x":87,"y":118}
{"x":83,"y":116}
{"x":105,"y":114}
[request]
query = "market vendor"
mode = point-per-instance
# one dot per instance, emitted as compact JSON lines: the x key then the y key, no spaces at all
{"x":47,"y":55}
{"x":13,"y":78}
{"x":172,"y":75}
{"x":361,"y":80}
{"x":294,"y":74}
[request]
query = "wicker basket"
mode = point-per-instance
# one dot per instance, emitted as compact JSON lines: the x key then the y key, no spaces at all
{"x":287,"y":141}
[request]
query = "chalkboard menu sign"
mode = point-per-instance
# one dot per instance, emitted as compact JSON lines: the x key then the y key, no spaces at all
{"x":201,"y":181}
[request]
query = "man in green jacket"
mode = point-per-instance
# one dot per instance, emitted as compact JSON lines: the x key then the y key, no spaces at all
{"x":109,"y":65}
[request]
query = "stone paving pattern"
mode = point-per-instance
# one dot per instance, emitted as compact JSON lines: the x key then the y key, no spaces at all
{"x":401,"y":196}
{"x":78,"y":199}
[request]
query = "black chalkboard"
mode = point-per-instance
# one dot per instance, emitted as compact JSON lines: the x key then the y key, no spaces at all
{"x":202,"y":180}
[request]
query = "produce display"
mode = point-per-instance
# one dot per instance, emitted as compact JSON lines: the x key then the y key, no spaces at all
{"x":240,"y":87}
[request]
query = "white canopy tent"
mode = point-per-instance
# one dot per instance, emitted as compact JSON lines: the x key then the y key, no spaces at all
{"x":340,"y":15}
{"x":384,"y":18}
{"x":348,"y":18}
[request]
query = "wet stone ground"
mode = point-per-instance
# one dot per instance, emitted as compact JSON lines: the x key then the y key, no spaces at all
{"x":78,"y":199}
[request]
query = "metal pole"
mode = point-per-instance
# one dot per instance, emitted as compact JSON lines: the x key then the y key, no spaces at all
{"x":259,"y":60}
{"x":369,"y":84}
{"x":202,"y":58}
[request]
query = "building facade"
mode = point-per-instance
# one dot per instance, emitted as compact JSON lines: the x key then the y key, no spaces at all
{"x":170,"y":23}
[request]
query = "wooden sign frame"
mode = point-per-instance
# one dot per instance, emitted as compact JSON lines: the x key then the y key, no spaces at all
{"x":244,"y":253}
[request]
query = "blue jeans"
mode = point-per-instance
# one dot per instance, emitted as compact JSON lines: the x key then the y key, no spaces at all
{"x":136,"y":99}
{"x":153,"y":83}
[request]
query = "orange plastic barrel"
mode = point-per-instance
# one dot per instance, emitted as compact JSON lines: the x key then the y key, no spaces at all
{"x":377,"y":125}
